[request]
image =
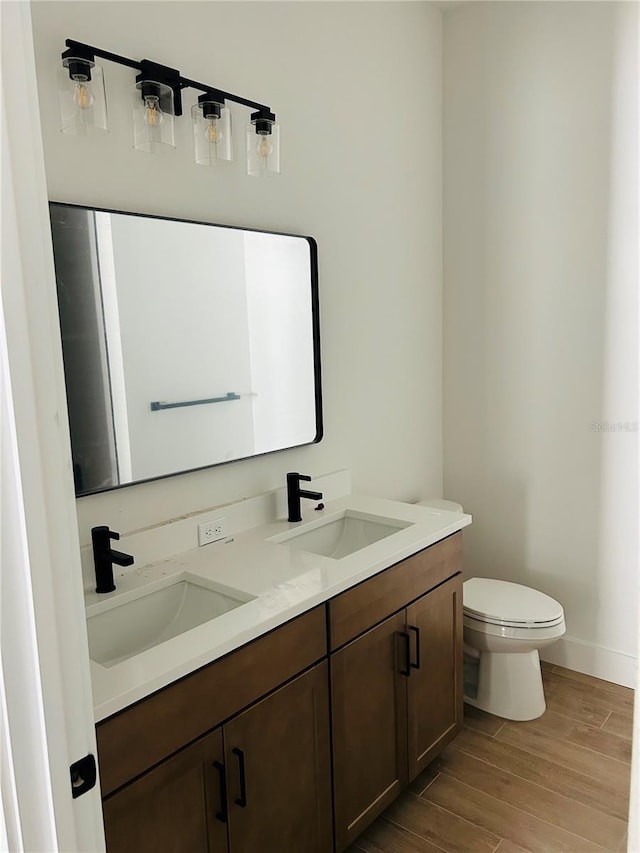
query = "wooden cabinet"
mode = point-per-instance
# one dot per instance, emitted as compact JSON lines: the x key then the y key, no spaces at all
{"x":278,"y":762}
{"x":434,"y":687}
{"x":236,"y":757}
{"x":260,"y":783}
{"x":396,"y":689}
{"x":170,"y":765}
{"x":172,"y":807}
{"x":132,"y":741}
{"x":368,"y":699}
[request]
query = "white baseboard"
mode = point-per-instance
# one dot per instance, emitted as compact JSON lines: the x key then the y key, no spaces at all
{"x":618,"y":667}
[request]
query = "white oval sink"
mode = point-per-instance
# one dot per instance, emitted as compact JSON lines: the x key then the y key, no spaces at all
{"x":119,"y":631}
{"x":339,"y":537}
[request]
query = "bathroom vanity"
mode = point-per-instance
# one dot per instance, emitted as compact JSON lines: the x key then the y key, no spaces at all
{"x":296,"y":739}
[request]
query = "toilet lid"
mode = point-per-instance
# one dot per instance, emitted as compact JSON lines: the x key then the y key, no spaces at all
{"x":511,"y":604}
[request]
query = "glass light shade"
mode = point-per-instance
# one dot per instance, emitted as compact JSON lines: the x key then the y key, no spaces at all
{"x":153,"y":117}
{"x":211,"y":133}
{"x":81,"y":97}
{"x":263,"y":150}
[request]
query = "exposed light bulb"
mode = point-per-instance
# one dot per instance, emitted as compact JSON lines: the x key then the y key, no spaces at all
{"x":264,"y":147}
{"x":153,"y":116}
{"x":263,"y":144}
{"x":213,"y":134}
{"x":83,"y":96}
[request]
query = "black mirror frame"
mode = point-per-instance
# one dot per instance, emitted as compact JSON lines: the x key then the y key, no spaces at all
{"x":315,"y":320}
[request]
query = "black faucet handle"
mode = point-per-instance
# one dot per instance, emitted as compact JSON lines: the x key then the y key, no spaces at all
{"x":104,"y":557}
{"x":102,"y":535}
{"x":293,"y":480}
{"x":99,"y":534}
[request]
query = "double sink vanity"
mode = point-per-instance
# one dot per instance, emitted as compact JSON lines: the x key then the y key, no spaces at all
{"x":276,"y":690}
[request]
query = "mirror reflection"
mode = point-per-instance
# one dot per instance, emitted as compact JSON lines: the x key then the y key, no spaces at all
{"x":185,"y":345}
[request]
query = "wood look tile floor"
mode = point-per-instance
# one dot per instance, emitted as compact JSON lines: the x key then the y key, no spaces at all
{"x":558,"y":784}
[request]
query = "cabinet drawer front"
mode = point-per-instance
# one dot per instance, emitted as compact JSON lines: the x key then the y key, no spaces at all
{"x":138,"y":737}
{"x":358,"y":609}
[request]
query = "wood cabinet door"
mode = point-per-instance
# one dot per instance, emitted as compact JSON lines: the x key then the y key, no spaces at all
{"x":434,"y":688}
{"x":368,"y":698}
{"x":175,"y":808}
{"x":278,"y":760}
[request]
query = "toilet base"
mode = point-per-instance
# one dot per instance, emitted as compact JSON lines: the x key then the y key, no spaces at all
{"x":510,"y":685}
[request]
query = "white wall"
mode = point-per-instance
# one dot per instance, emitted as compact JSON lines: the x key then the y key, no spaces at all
{"x":541,"y":308}
{"x":357,"y":88}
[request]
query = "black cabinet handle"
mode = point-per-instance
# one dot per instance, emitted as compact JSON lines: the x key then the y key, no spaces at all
{"x":222,"y":814}
{"x":242,"y":799}
{"x":407,"y":653}
{"x":416,"y":631}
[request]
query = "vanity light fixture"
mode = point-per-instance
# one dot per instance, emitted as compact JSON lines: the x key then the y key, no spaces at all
{"x":263,"y":144}
{"x":81,"y":97}
{"x":211,"y":129}
{"x":157,"y":100}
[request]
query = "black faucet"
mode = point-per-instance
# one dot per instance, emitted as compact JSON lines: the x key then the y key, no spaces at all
{"x":104,"y":557}
{"x":294,"y":493}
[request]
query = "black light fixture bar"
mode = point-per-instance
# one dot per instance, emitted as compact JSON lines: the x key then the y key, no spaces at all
{"x":103,"y":54}
{"x":183,"y":82}
{"x":228,"y":96}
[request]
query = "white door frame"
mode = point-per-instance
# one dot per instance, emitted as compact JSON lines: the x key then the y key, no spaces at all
{"x":49,"y":562}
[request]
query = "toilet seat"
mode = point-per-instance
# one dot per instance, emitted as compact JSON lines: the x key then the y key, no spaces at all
{"x":525,"y":633}
{"x":509,"y":605}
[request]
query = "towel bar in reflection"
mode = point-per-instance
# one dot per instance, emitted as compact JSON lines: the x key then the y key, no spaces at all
{"x":156,"y":406}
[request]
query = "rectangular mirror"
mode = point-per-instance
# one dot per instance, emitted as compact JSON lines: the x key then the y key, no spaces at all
{"x":185,"y":344}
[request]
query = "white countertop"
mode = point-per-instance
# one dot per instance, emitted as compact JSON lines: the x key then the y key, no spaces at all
{"x":284,"y":581}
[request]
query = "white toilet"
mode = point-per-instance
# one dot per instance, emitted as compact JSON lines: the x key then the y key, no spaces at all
{"x":504,"y":626}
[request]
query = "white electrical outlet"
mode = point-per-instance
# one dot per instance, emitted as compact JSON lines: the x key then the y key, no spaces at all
{"x":212,"y":531}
